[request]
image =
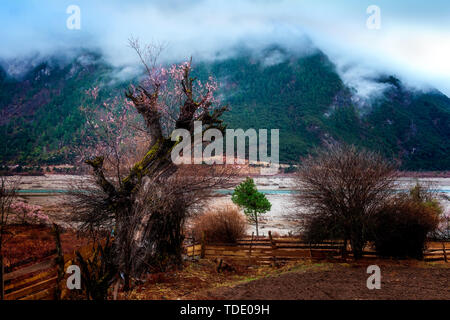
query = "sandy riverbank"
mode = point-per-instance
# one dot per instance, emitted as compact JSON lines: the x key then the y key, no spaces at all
{"x":46,"y":191}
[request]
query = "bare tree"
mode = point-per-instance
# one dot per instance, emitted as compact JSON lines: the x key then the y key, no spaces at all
{"x":149,"y":204}
{"x":342,"y":188}
{"x":151,"y":236}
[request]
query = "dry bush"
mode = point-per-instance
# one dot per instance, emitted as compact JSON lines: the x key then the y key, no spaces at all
{"x":401,"y":227}
{"x":318,"y":228}
{"x":343,"y":187}
{"x":167,"y":205}
{"x":222,"y":225}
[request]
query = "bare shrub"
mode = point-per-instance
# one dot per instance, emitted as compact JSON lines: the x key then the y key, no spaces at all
{"x":321,"y":227}
{"x":343,"y":188}
{"x":98,"y":271}
{"x":222,"y":225}
{"x":150,"y":235}
{"x":402,"y":225}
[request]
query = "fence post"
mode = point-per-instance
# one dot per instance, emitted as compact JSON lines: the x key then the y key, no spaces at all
{"x":2,"y":281}
{"x":202,"y":253}
{"x":251,"y":244}
{"x":445,"y":253}
{"x":274,"y":247}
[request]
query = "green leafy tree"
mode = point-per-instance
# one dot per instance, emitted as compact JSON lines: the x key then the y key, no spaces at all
{"x":255,"y":203}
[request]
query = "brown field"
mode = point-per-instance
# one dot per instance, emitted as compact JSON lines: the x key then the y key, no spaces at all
{"x":305,"y":280}
{"x":32,"y":244}
{"x":406,"y":280}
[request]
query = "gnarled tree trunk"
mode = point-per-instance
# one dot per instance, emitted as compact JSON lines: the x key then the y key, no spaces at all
{"x":152,"y":237}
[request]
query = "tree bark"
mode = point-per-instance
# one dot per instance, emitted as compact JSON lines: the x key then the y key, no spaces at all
{"x":357,"y":244}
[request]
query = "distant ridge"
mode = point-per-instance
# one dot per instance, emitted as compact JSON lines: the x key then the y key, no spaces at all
{"x":303,"y":96}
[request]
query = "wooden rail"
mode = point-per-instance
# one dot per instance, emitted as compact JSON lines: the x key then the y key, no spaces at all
{"x":437,"y":251}
{"x":39,"y":281}
{"x":269,"y":250}
{"x":31,"y":283}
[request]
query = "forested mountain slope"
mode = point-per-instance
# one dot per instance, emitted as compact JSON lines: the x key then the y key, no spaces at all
{"x":303,"y":96}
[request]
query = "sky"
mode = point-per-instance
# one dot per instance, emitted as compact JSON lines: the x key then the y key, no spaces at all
{"x":413,"y":41}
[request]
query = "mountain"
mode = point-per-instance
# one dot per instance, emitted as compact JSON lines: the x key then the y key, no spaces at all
{"x":40,"y":116}
{"x":303,"y":96}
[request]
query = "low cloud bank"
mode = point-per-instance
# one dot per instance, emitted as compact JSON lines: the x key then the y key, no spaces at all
{"x":413,"y":42}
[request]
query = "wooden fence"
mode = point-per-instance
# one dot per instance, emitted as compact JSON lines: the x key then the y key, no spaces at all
{"x":437,"y":251}
{"x":40,"y":281}
{"x":269,"y":250}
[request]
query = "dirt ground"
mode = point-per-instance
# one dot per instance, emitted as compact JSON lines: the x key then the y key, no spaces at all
{"x":189,"y":283}
{"x":399,"y":281}
{"x":308,"y":280}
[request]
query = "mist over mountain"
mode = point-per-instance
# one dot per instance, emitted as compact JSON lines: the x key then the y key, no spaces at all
{"x":301,"y":93}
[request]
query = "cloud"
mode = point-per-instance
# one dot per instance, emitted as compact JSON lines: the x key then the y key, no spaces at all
{"x":413,"y":42}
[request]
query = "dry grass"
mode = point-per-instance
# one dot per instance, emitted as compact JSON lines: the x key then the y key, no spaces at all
{"x":200,"y":280}
{"x":29,"y":244}
{"x":222,"y":225}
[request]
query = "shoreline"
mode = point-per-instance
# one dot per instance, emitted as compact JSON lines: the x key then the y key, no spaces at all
{"x":277,"y":189}
{"x":401,"y":174}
